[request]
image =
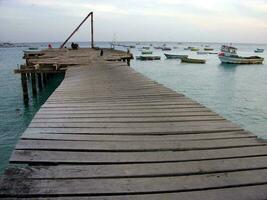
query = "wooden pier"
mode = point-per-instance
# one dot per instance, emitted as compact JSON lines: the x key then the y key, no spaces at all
{"x":108,"y":132}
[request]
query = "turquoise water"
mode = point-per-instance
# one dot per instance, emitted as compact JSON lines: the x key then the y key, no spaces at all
{"x":239,"y":93}
{"x":14,"y":116}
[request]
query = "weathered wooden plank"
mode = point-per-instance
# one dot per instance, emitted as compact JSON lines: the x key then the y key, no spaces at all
{"x":124,"y":108}
{"x":91,"y":137}
{"x":118,"y":115}
{"x":178,"y":126}
{"x":146,"y":111}
{"x":255,"y":192}
{"x":145,"y":169}
{"x":55,"y":157}
{"x":128,"y":120}
{"x":109,"y":186}
{"x":136,"y":145}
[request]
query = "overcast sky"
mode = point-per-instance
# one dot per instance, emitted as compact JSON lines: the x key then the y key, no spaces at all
{"x":135,"y":20}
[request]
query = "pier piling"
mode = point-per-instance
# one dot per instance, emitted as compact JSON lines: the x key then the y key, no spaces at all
{"x":34,"y":89}
{"x":39,"y":78}
{"x":24,"y":89}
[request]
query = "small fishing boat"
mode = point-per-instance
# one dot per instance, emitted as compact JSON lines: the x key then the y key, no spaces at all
{"x":158,"y":47}
{"x":188,"y":48}
{"x":194,"y":49}
{"x":166,"y":49}
{"x":173,"y":56}
{"x":147,"y":52}
{"x":202,"y":52}
{"x":143,"y":58}
{"x":192,"y":60}
{"x":208,"y":49}
{"x":175,"y":47}
{"x":146,"y":48}
{"x":228,"y":55}
{"x":259,"y":50}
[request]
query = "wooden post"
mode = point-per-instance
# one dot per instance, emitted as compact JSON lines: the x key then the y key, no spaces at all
{"x":44,"y":79}
{"x":39,"y":78}
{"x":24,"y":88}
{"x":28,"y":76}
{"x":128,"y":61}
{"x":34,"y":89}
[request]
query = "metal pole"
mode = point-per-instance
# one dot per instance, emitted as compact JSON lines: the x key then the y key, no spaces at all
{"x":76,"y":29}
{"x":92,"y":30}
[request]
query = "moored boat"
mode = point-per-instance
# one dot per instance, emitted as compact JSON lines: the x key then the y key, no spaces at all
{"x":174,"y":56}
{"x":147,"y":52}
{"x":188,"y":48}
{"x":148,"y":57}
{"x":146,"y":48}
{"x":192,"y":60}
{"x":228,"y":55}
{"x":194,"y":49}
{"x":259,"y":50}
{"x":202,"y":52}
{"x":166,"y":49}
{"x":208,"y":49}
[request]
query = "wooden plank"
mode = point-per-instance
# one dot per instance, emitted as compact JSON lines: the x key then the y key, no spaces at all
{"x":70,"y":157}
{"x":125,"y":108}
{"x":91,"y":137}
{"x":146,"y":169}
{"x":147,"y":111}
{"x":255,"y":192}
{"x":136,"y":145}
{"x":118,"y":115}
{"x":178,"y":126}
{"x":126,"y":186}
{"x":128,"y":120}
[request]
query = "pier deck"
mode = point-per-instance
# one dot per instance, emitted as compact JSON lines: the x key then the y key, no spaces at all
{"x":108,"y":132}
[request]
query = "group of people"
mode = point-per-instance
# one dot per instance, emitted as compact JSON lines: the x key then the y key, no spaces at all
{"x":74,"y":46}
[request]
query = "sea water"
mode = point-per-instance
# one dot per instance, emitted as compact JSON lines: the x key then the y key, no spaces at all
{"x":237,"y":92}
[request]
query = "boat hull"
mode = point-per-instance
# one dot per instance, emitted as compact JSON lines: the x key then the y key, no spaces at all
{"x":172,"y":56}
{"x":194,"y":61}
{"x":143,"y":58}
{"x":241,"y":60}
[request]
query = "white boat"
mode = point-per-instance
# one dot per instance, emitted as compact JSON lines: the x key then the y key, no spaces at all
{"x":259,"y":50}
{"x":228,"y":55}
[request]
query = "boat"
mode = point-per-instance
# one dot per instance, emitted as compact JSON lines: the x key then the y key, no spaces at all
{"x":192,"y":60}
{"x":259,"y":50}
{"x":173,"y":56}
{"x":188,"y":48}
{"x":143,"y":58}
{"x":147,"y":52}
{"x":146,"y":48}
{"x":166,"y":49}
{"x":202,"y":52}
{"x":158,"y":47}
{"x":208,"y":49}
{"x":228,"y":55}
{"x":175,"y":47}
{"x":194,"y":49}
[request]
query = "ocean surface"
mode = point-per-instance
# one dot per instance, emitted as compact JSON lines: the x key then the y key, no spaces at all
{"x":237,"y":92}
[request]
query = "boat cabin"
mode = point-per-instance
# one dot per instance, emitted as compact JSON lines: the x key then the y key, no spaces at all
{"x":228,"y":49}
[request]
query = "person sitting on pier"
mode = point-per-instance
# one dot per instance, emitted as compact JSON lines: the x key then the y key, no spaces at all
{"x":74,"y":46}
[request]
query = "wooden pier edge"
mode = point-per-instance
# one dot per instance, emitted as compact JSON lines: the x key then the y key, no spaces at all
{"x":108,"y":132}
